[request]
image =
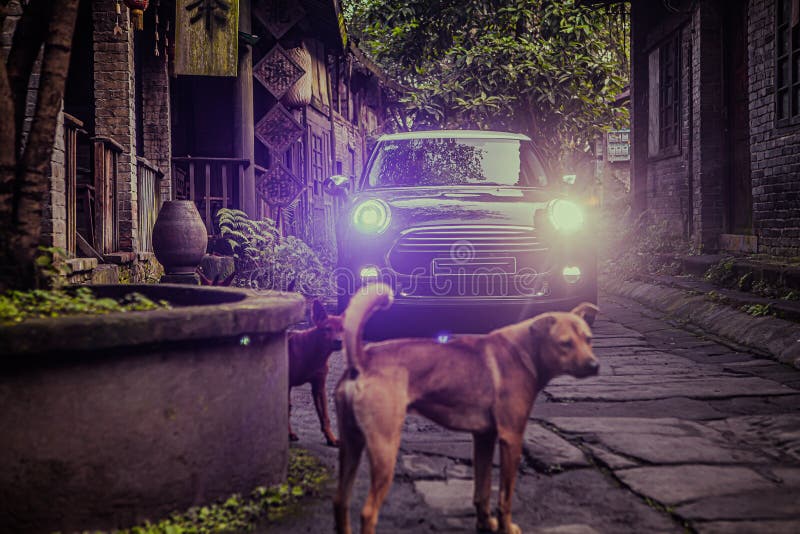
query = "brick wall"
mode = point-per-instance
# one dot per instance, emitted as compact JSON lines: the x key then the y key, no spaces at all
{"x":114,"y":110}
{"x":775,"y":152}
{"x":708,"y":127}
{"x":668,"y":177}
{"x":156,"y":135}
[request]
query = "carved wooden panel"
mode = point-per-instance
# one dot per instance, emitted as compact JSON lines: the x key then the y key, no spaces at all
{"x":278,"y":16}
{"x":277,"y":71}
{"x":278,"y":129}
{"x":278,"y":186}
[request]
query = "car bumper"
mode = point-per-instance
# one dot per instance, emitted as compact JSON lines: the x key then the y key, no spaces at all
{"x":430,"y":317}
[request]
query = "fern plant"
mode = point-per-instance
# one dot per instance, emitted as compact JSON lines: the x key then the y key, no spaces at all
{"x":266,"y":260}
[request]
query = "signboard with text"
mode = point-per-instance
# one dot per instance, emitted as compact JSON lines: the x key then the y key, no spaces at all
{"x":618,"y":145}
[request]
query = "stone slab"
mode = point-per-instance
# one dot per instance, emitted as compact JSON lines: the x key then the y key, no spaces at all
{"x":422,"y":467}
{"x":609,"y":459}
{"x":549,"y":451}
{"x":660,"y":441}
{"x":673,"y":485}
{"x":450,"y":497}
{"x":644,"y":387}
{"x":776,"y":435}
{"x":670,"y":407}
{"x":748,"y":527}
{"x":757,"y":505}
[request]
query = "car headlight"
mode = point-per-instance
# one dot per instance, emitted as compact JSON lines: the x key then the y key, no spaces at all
{"x":371,"y":216}
{"x":565,"y":215}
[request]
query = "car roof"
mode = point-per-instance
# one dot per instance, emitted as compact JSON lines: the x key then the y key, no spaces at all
{"x":453,"y":134}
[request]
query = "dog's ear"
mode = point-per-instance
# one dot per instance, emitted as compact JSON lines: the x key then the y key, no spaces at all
{"x":318,"y":313}
{"x":540,"y":327}
{"x":586,"y":309}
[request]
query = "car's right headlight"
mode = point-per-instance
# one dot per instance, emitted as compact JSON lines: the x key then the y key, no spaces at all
{"x":371,"y":216}
{"x":566,"y":216}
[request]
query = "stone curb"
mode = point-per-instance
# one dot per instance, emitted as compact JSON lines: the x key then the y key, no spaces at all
{"x":770,"y":336}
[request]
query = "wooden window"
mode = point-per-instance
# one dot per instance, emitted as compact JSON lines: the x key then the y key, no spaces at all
{"x":669,"y":107}
{"x":664,"y":66}
{"x":787,"y":62}
{"x":317,"y":158}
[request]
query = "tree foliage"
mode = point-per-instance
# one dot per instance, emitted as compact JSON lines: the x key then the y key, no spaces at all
{"x":548,"y":68}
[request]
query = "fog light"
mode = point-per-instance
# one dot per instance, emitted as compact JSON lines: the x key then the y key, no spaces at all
{"x":369,"y":272}
{"x":571,"y":274}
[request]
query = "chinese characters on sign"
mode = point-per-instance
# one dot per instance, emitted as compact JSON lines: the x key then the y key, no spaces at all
{"x":618,"y":145}
{"x":206,"y":37}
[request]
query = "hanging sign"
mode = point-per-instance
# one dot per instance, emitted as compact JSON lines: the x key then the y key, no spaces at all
{"x":206,"y":37}
{"x":618,"y":145}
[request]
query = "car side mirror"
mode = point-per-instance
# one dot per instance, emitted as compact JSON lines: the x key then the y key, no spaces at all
{"x":337,"y":185}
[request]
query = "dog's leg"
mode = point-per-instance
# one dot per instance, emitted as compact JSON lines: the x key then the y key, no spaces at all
{"x":510,"y":453}
{"x":292,"y":435}
{"x":350,"y":448}
{"x":321,"y":404}
{"x":483,"y":452}
{"x":382,"y":424}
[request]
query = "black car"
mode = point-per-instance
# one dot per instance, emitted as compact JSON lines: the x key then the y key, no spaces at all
{"x":467,"y":228}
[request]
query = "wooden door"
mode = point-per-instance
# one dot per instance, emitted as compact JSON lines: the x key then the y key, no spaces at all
{"x":740,"y":193}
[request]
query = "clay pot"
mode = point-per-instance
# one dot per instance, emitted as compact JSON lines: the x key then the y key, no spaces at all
{"x":179,"y":237}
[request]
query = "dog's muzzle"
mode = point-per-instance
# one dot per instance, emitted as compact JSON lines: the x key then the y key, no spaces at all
{"x":336,"y":344}
{"x":590,"y":368}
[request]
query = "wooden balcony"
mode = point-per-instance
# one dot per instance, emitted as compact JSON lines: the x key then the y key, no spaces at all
{"x":212,"y":183}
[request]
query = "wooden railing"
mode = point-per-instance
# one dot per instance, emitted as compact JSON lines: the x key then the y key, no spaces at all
{"x":212,"y":183}
{"x":148,"y":179}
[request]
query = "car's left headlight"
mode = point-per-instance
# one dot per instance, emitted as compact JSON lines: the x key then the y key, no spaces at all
{"x":566,"y":216}
{"x":371,"y":216}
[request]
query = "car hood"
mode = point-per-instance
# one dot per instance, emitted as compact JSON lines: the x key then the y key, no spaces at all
{"x":426,"y":206}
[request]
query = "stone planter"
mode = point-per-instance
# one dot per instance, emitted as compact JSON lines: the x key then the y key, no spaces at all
{"x":179,"y":237}
{"x":111,"y":420}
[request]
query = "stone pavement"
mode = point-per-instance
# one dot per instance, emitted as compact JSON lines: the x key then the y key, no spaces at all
{"x":678,"y":433}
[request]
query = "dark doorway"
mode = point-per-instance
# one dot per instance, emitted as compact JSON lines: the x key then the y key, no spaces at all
{"x":740,"y":193}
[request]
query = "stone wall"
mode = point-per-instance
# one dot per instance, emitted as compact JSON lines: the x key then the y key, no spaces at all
{"x":114,"y":110}
{"x":156,"y":134}
{"x":775,"y":152}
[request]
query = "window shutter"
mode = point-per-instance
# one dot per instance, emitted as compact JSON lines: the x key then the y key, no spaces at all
{"x":653,"y":101}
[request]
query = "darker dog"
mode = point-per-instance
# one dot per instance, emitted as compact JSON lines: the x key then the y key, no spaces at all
{"x":483,"y":384}
{"x":309,"y":351}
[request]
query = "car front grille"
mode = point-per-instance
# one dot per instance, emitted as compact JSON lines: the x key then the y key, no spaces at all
{"x":465,"y":254}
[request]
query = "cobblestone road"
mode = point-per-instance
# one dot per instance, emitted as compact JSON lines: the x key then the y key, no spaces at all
{"x":677,"y":433}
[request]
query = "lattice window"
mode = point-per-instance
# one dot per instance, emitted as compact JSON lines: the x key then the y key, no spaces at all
{"x":317,"y":158}
{"x":669,"y":94}
{"x":787,"y":62}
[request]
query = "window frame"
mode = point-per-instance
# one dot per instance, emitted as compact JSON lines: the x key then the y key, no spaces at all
{"x":670,"y":49}
{"x":791,"y":85}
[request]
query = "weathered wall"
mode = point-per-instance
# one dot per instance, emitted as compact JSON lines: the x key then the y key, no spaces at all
{"x":114,"y":110}
{"x":775,"y":152}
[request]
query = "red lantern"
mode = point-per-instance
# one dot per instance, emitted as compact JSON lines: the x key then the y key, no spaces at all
{"x":137,"y":8}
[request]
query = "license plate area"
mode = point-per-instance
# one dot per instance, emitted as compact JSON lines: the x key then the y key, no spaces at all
{"x":474,"y":266}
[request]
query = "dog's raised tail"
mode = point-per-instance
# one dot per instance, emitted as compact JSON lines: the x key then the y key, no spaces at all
{"x":366,"y":301}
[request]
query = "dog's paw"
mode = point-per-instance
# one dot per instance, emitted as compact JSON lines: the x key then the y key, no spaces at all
{"x":332,"y":442}
{"x":293,"y":437}
{"x":514,"y":529}
{"x":488,"y":525}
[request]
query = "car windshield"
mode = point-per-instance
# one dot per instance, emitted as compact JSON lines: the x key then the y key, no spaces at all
{"x":455,"y":161}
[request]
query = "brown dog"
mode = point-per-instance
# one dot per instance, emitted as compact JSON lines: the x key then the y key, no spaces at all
{"x":309,"y":351}
{"x":483,"y":384}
